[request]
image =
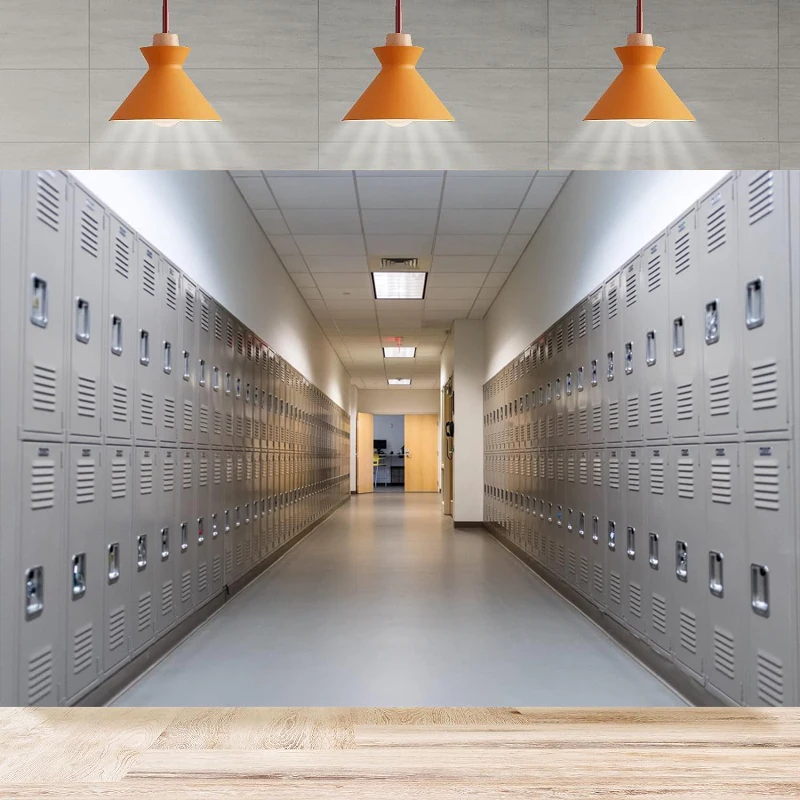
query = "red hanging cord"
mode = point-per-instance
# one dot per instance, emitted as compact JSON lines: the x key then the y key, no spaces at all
{"x":398,"y":16}
{"x":639,"y":17}
{"x":165,"y":17}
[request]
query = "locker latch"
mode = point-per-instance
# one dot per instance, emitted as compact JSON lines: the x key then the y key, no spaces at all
{"x":715,"y":584}
{"x":681,"y":561}
{"x":201,"y":537}
{"x":612,"y":535}
{"x":187,"y":373}
{"x":581,"y":524}
{"x":238,"y":517}
{"x":759,"y":589}
{"x":569,"y":520}
{"x":215,"y":378}
{"x":631,"y":542}
{"x":164,"y":544}
{"x":628,"y":358}
{"x":113,"y":562}
{"x":595,"y":529}
{"x":754,"y":316}
{"x":678,"y":337}
{"x":550,"y":512}
{"x":184,"y":536}
{"x":116,"y":335}
{"x":78,"y":575}
{"x":559,"y":515}
{"x":247,"y":513}
{"x":141,"y":551}
{"x":263,"y":506}
{"x":652,"y":555}
{"x":34,"y":591}
{"x":650,"y":348}
{"x":558,"y":388}
{"x":39,"y":315}
{"x":580,"y":379}
{"x":201,"y":372}
{"x":82,"y":321}
{"x":227,"y":520}
{"x":594,"y":372}
{"x":144,"y":347}
{"x":541,"y":509}
{"x":568,"y":384}
{"x":712,"y":322}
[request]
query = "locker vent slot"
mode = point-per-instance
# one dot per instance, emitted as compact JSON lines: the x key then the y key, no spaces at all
{"x":229,"y":334}
{"x":119,"y":478}
{"x":582,"y":323}
{"x":760,"y":198}
{"x":764,"y":385}
{"x":613,"y":473}
{"x":146,"y":477}
{"x":682,"y":253}
{"x":148,"y":277}
{"x":633,"y":411}
{"x":90,"y":237}
{"x":44,"y":388}
{"x":630,"y":288}
{"x":559,"y":340}
{"x":228,"y":561}
{"x":217,"y":327}
{"x":583,"y":470}
{"x":188,"y":305}
{"x":166,"y":599}
{"x":721,"y":481}
{"x":228,"y":470}
{"x":43,"y":483}
{"x":147,"y":408}
{"x":561,"y":556}
{"x":688,"y":630}
{"x":719,"y":396}
{"x":216,"y":570}
{"x":188,"y":416}
{"x":686,"y":478}
{"x":571,"y":469}
{"x":633,"y":475}
{"x":597,"y":419}
{"x":583,"y":422}
{"x":169,"y":412}
{"x":584,"y":570}
{"x":119,"y":403}
{"x":657,"y":476}
{"x":83,"y":649}
{"x":203,"y":421}
{"x":205,"y":317}
{"x":217,"y":471}
{"x":612,"y":302}
{"x":144,"y":611}
{"x":84,"y":480}
{"x":559,"y":425}
{"x":48,"y":203}
{"x":87,"y":397}
{"x":40,"y":675}
{"x":571,"y":562}
{"x":766,"y":484}
{"x":770,"y":679}
{"x":202,"y":577}
{"x":217,"y":423}
{"x":615,"y":587}
{"x":228,"y":425}
{"x":716,"y":231}
{"x":685,"y":402}
{"x":635,"y":599}
{"x":122,"y":257}
{"x":187,"y":473}
{"x":239,"y":554}
{"x":654,"y":273}
{"x":659,"y":613}
{"x":570,"y":332}
{"x":116,"y":628}
{"x":203,"y":472}
{"x":239,"y":426}
{"x":596,"y":314}
{"x":598,"y":579}
{"x":172,"y":291}
{"x":168,"y":478}
{"x":613,"y":415}
{"x":656,"y":407}
{"x":240,"y":343}
{"x":186,"y":587}
{"x":550,"y":468}
{"x":597,"y":471}
{"x":724,"y":653}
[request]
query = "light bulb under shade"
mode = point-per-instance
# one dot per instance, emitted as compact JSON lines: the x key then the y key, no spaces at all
{"x":165,"y":123}
{"x":639,"y":123}
{"x":398,"y":123}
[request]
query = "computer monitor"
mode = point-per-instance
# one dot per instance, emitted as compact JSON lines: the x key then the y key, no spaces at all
{"x":379,"y":444}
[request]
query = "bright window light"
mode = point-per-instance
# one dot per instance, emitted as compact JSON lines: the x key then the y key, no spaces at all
{"x":399,"y":381}
{"x":399,"y":352}
{"x":399,"y":285}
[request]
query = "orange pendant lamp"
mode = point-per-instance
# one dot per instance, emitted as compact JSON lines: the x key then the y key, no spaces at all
{"x":640,"y":95}
{"x":165,"y":95}
{"x":399,"y":94}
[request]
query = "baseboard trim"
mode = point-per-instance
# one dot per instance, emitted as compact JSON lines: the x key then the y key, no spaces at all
{"x":114,"y":684}
{"x":457,"y":524}
{"x":660,"y":664}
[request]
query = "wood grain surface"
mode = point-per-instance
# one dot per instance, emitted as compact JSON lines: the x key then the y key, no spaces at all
{"x":399,"y":754}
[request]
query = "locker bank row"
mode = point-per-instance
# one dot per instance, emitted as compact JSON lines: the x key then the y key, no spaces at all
{"x":156,"y":450}
{"x":641,"y":449}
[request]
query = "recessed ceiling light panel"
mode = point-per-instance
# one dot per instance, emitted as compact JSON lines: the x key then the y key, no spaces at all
{"x":399,"y":352}
{"x":399,"y":381}
{"x":399,"y":285}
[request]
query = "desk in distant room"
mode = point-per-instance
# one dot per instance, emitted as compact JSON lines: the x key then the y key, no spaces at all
{"x":390,"y":470}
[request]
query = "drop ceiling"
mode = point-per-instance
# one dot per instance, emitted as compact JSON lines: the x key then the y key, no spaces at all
{"x":330,"y":229}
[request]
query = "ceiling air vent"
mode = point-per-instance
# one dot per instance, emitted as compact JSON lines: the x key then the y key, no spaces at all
{"x":400,"y":264}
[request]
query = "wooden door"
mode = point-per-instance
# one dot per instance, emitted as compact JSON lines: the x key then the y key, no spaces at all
{"x":364,"y":449}
{"x":421,"y":439}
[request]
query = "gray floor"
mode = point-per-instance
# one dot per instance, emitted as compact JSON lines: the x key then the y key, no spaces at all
{"x":386,"y":605}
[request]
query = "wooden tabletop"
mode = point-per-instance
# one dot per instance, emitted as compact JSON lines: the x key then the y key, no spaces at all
{"x":399,"y":754}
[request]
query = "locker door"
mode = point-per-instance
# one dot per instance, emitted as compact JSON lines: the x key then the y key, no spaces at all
{"x":247,"y":511}
{"x":557,"y":525}
{"x":149,"y":353}
{"x":685,"y":339}
{"x":120,"y":334}
{"x":687,"y":602}
{"x":582,"y":503}
{"x":271,"y":402}
{"x":568,"y":377}
{"x":657,"y":546}
{"x":727,"y":571}
{"x":764,"y":280}
{"x":596,"y":532}
{"x":85,"y":566}
{"x":654,"y":333}
{"x":248,"y":378}
{"x":569,"y":517}
{"x":580,"y":375}
{"x":772,"y":579}
{"x":613,"y":360}
{"x":215,"y":527}
{"x":217,"y":378}
{"x":265,"y":390}
{"x":631,"y":355}
{"x":227,"y":383}
{"x":595,"y":377}
{"x":239,"y":370}
{"x":271,"y":535}
{"x":228,"y":515}
{"x":238,"y":515}
{"x":203,"y":365}
{"x":549,"y":389}
{"x":85,"y":314}
{"x":119,"y":563}
{"x":45,"y":259}
{"x":255,"y":511}
{"x":631,"y":542}
{"x":263,"y":508}
{"x":613,"y":535}
{"x":190,"y":361}
{"x":559,"y":392}
{"x":42,"y":577}
{"x":720,"y":304}
{"x":185,"y":560}
{"x":202,"y":526}
{"x":171,"y":361}
{"x":144,"y":548}
{"x":167,"y":540}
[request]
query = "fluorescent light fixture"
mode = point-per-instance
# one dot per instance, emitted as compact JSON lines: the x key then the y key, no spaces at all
{"x":399,"y":285}
{"x":399,"y":352}
{"x":399,"y":381}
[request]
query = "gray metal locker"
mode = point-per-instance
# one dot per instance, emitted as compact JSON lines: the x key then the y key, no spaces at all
{"x":582,"y":505}
{"x":271,"y":506}
{"x":239,"y":369}
{"x":44,"y":255}
{"x":727,"y":585}
{"x":255,"y":511}
{"x":202,"y":525}
{"x":558,"y":378}
{"x":765,"y":282}
{"x":171,"y":365}
{"x":149,"y":355}
{"x":167,"y":540}
{"x":85,"y":565}
{"x":227,"y":382}
{"x":248,"y":381}
{"x":119,"y":562}
{"x":613,"y":535}
{"x":580,"y":374}
{"x":228,"y":515}
{"x":595,"y":377}
{"x":216,"y":378}
{"x":631,"y":543}
{"x":685,"y":343}
{"x":144,"y":546}
{"x":613,"y":361}
{"x":687,"y":608}
{"x":238,"y":513}
{"x":631,"y":362}
{"x":772,"y":660}
{"x":118,"y":318}
{"x":247,"y":511}
{"x":720,"y":306}
{"x":215,"y":527}
{"x":186,"y":536}
{"x":204,"y":365}
{"x":596,"y":526}
{"x":42,"y":576}
{"x":568,"y":379}
{"x":657,"y":546}
{"x":265,"y":389}
{"x":89,"y":266}
{"x":569,"y":531}
{"x":190,"y":363}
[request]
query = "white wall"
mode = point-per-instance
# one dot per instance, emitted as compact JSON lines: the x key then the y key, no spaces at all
{"x":353,"y":406}
{"x":399,"y":401}
{"x":391,"y":427}
{"x":468,"y":373}
{"x":598,"y":221}
{"x":200,"y":222}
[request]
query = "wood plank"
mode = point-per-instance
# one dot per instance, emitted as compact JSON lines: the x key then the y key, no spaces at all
{"x":364,"y":452}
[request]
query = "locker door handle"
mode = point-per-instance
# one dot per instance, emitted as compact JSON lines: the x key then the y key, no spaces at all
{"x":629,"y":358}
{"x":678,"y":337}
{"x":201,"y":372}
{"x":650,"y":348}
{"x":652,"y":555}
{"x":34,"y":592}
{"x":581,"y":524}
{"x":610,"y":366}
{"x":754,"y":313}
{"x":568,"y":384}
{"x":201,"y":537}
{"x":164,"y":544}
{"x":595,"y":529}
{"x":184,"y":536}
{"x":612,"y":535}
{"x":39,"y":316}
{"x":141,"y":552}
{"x":78,"y":575}
{"x":681,"y":561}
{"x":759,"y":589}
{"x":116,"y":335}
{"x":186,"y":366}
{"x":144,"y":347}
{"x":113,"y":562}
{"x":593,"y":380}
{"x":82,"y":320}
{"x":631,"y":542}
{"x":715,"y":580}
{"x":580,"y":379}
{"x":712,"y":322}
